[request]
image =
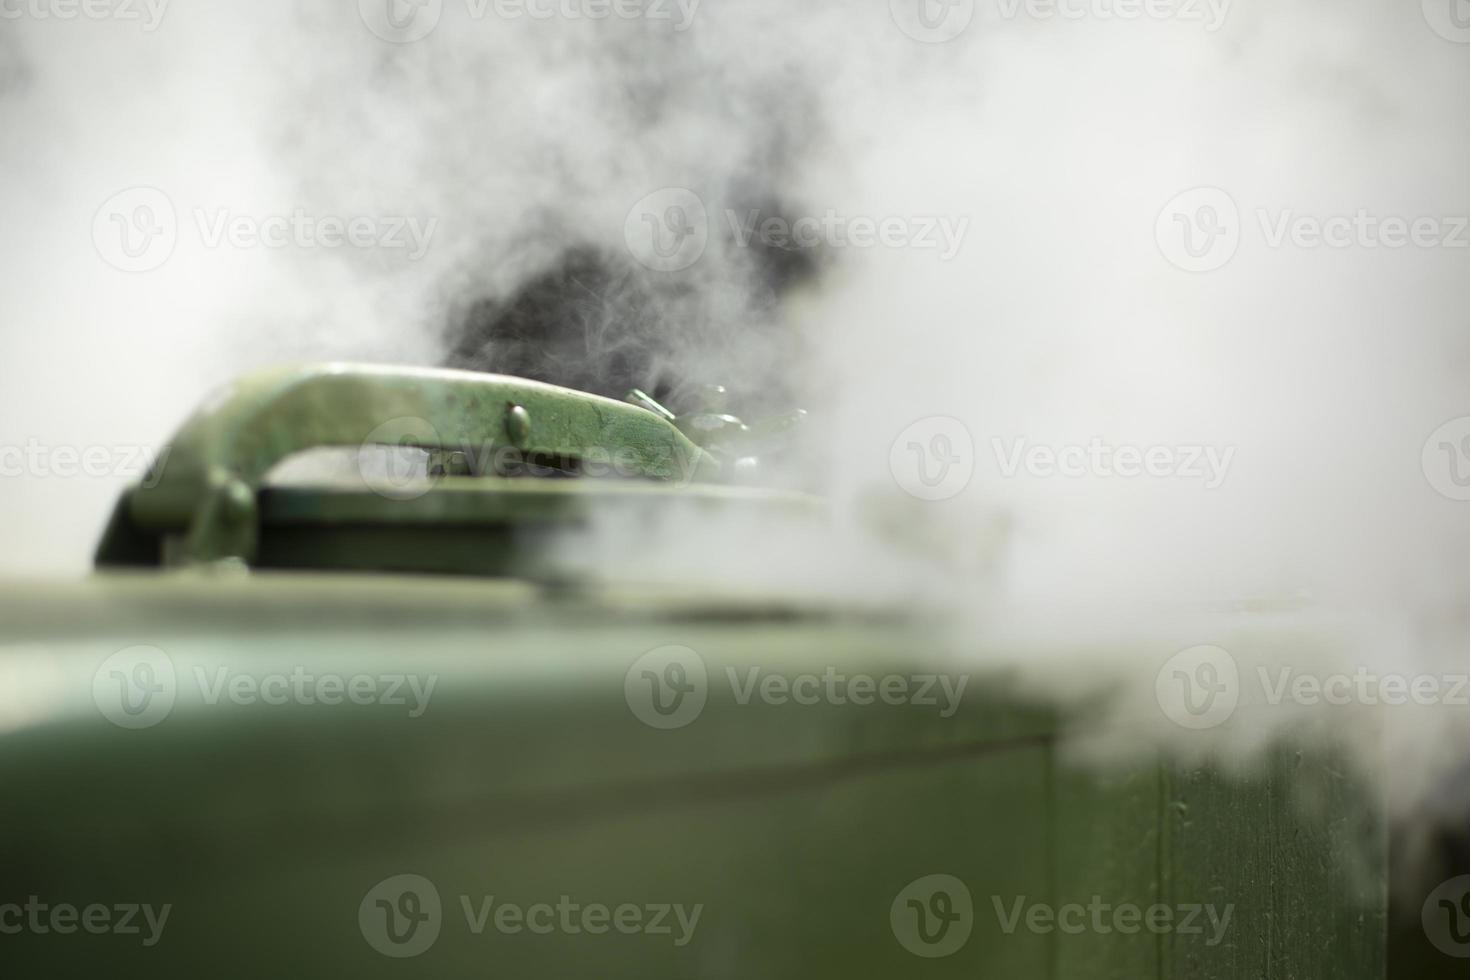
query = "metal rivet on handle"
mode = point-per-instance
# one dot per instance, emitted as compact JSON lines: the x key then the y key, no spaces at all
{"x":518,"y":425}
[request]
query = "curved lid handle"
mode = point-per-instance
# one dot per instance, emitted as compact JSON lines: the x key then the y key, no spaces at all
{"x":206,"y":484}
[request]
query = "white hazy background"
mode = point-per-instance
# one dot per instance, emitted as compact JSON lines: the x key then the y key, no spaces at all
{"x":1059,"y":319}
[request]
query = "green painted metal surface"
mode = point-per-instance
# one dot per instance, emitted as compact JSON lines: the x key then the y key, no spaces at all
{"x":469,"y":774}
{"x":533,"y":774}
